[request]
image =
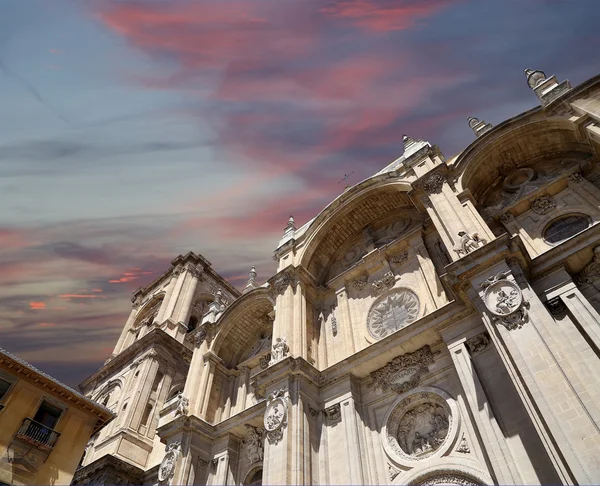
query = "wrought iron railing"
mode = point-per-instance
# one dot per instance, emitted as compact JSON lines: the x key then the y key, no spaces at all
{"x":37,"y":434}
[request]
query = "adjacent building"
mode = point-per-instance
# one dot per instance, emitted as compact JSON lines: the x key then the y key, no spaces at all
{"x":44,"y":425}
{"x":437,"y":323}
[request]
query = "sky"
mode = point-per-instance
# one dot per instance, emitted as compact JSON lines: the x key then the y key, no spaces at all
{"x":135,"y":130}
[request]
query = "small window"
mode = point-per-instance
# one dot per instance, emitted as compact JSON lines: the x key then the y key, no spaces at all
{"x":47,"y":415}
{"x":192,"y":323}
{"x":4,"y":386}
{"x":566,"y":227}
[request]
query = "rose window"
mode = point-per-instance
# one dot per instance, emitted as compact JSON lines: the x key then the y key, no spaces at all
{"x":392,"y":313}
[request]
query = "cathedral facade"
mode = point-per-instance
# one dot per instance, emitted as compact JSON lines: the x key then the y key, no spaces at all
{"x":437,"y":323}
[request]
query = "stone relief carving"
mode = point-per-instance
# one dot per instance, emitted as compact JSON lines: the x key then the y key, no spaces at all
{"x":591,"y":272}
{"x":467,"y":244}
{"x":404,"y":372}
{"x":167,"y":466}
{"x":543,"y":204}
{"x":360,"y":283}
{"x":386,"y":282}
{"x":279,"y":351}
{"x":504,"y":299}
{"x":264,"y":361}
{"x":334,"y":325}
{"x":392,"y":472}
{"x":393,"y":312}
{"x":261,"y":345}
{"x":400,"y":259}
{"x":252,"y":445}
{"x":463,"y":446}
{"x":507,"y":218}
{"x":333,"y":414}
{"x":275,"y":418}
{"x":433,"y":184}
{"x":478,"y":343}
{"x":183,"y":404}
{"x":576,"y":178}
{"x":447,"y":479}
{"x":418,"y":427}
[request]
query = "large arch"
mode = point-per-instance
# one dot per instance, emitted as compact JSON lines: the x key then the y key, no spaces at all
{"x":517,"y":144}
{"x":241,"y":324}
{"x":464,"y":471}
{"x":349,"y":214}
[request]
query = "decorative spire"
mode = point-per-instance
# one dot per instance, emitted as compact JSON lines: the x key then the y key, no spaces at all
{"x":546,"y":88}
{"x":291,"y":224}
{"x":478,"y":127}
{"x":251,"y":284}
{"x":534,"y":77}
{"x":412,"y":146}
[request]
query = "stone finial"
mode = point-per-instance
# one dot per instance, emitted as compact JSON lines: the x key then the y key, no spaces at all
{"x":546,"y":88}
{"x":479,"y":127}
{"x":291,"y":224}
{"x":251,"y":284}
{"x":412,"y":146}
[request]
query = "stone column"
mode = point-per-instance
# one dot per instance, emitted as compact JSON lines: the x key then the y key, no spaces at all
{"x":345,"y":327}
{"x":565,"y":416}
{"x":350,"y":420}
{"x":142,"y":389}
{"x":449,"y":215}
{"x":297,"y":344}
{"x":174,"y":296}
{"x":167,"y":298}
{"x":122,"y":338}
{"x":428,"y":276}
{"x":242,"y":389}
{"x":206,"y":383}
{"x":184,"y":312}
{"x":196,"y":375}
{"x":498,"y":456}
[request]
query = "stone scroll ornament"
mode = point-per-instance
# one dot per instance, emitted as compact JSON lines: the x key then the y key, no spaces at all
{"x":167,"y":466}
{"x":403,"y":372}
{"x":504,"y":299}
{"x":275,"y":419}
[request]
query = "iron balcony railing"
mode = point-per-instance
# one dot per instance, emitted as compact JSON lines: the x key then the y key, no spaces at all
{"x":37,"y":434}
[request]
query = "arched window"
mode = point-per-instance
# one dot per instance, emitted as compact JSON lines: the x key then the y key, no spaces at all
{"x":106,"y":399}
{"x":254,"y":479}
{"x":563,"y":228}
{"x":175,"y":391}
{"x":192,"y":323}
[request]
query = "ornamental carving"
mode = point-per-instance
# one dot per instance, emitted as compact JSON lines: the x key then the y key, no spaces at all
{"x":167,"y":466}
{"x":334,"y":324}
{"x":507,"y":218}
{"x":252,"y":445}
{"x":360,"y":283}
{"x":282,"y":281}
{"x":543,"y":204}
{"x":463,"y":446}
{"x":467,"y":244}
{"x":420,"y":426}
{"x":393,"y":312}
{"x":591,"y":272}
{"x":504,"y":299}
{"x":386,"y":282}
{"x":433,"y":184}
{"x":447,"y":479}
{"x":400,"y":259}
{"x":275,"y":418}
{"x":333,"y":414}
{"x":264,"y":361}
{"x":392,"y":472}
{"x":404,"y":372}
{"x":478,"y":343}
{"x":183,"y":404}
{"x":279,"y":351}
{"x":576,"y":178}
{"x":556,"y":306}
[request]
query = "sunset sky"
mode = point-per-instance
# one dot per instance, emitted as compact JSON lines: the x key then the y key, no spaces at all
{"x":132,"y":131}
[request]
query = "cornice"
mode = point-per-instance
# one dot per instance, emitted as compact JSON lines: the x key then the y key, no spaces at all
{"x":156,"y":337}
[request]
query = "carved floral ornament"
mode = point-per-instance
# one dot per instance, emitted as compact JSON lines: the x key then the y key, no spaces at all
{"x":543,"y":204}
{"x":591,"y":272}
{"x":433,"y":184}
{"x":504,"y":300}
{"x":252,"y":445}
{"x":423,"y":424}
{"x":403,"y":372}
{"x":167,"y":465}
{"x":275,"y":418}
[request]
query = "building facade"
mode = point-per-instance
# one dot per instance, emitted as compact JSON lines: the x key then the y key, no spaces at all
{"x":44,"y":425}
{"x":437,"y":323}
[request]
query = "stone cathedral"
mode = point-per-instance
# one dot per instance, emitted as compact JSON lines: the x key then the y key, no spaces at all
{"x":437,"y":323}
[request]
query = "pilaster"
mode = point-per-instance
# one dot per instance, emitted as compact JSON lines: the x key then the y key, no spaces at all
{"x":123,"y":337}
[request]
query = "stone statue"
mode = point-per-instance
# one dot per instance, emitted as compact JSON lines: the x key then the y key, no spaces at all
{"x":280,"y":350}
{"x":467,"y":244}
{"x":183,"y":404}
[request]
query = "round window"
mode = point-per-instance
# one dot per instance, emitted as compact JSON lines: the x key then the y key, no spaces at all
{"x":566,"y":227}
{"x":392,"y":312}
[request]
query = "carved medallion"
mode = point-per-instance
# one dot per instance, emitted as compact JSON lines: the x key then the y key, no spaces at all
{"x":275,"y":418}
{"x":543,"y":204}
{"x":403,"y":372}
{"x":393,"y":312}
{"x":386,"y":282}
{"x":504,"y":299}
{"x":591,"y":272}
{"x":420,"y":426}
{"x":167,"y":466}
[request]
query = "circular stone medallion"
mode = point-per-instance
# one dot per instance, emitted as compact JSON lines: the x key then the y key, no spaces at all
{"x":503,"y":298}
{"x":392,"y":312}
{"x":275,"y":415}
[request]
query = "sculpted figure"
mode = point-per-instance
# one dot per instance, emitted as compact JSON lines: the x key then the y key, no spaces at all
{"x":467,"y":243}
{"x":280,"y":349}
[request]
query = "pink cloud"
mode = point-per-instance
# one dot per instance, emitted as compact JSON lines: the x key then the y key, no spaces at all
{"x":47,"y":324}
{"x":79,"y":296}
{"x":37,"y":305}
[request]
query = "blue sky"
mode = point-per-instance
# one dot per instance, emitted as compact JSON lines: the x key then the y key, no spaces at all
{"x":132,"y":131}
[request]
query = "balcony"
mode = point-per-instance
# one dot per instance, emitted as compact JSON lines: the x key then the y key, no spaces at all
{"x":37,"y":434}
